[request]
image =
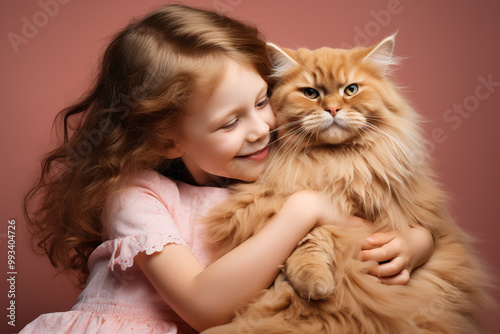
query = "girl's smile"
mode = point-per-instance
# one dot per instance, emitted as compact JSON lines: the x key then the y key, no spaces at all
{"x":259,"y":155}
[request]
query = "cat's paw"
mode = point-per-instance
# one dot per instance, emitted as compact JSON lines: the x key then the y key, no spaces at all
{"x":312,"y":281}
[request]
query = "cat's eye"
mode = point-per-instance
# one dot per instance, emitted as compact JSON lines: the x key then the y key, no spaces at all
{"x":351,"y":90}
{"x":311,"y":93}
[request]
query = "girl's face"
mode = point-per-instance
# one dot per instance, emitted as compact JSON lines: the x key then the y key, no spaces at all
{"x":226,"y":133}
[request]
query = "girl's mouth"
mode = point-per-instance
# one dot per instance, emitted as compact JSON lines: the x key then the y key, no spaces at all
{"x":257,"y":156}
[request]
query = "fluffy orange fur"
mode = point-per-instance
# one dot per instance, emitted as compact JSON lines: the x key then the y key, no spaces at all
{"x":361,"y":146}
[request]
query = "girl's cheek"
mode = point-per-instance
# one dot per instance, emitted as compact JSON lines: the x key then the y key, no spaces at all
{"x":224,"y":146}
{"x":271,"y":118}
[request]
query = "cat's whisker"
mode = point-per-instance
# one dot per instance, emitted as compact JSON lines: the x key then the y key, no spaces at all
{"x":395,"y":143}
{"x":290,"y":161}
{"x":404,"y":149}
{"x":411,"y":155}
{"x":274,"y":160}
{"x":366,"y":133}
{"x":288,"y":114}
{"x":318,"y":129}
{"x":411,"y":158}
{"x":282,"y":129}
{"x":308,"y":142}
{"x":401,"y":123}
{"x":313,"y":127}
{"x":366,"y":143}
{"x":291,"y":135}
{"x":397,"y":125}
{"x":288,"y":146}
{"x":389,"y":116}
{"x":378,"y":120}
{"x":284,"y":126}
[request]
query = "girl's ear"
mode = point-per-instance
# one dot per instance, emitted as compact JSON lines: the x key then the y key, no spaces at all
{"x":281,"y":59}
{"x":174,"y":152}
{"x":380,"y":55}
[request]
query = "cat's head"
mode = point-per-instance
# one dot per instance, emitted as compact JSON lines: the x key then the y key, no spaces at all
{"x":334,"y":96}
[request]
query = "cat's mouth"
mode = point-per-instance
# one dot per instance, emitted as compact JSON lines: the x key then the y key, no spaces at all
{"x":333,"y":122}
{"x":332,"y":130}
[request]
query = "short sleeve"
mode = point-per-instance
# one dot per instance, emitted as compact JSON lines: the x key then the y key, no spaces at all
{"x":140,"y":219}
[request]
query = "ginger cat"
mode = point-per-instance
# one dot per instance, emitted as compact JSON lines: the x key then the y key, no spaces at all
{"x":346,"y":131}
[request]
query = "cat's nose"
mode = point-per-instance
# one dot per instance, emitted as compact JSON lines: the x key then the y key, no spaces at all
{"x":332,"y":110}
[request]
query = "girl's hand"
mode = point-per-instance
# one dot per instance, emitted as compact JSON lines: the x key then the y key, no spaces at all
{"x":397,"y":256}
{"x":325,"y":211}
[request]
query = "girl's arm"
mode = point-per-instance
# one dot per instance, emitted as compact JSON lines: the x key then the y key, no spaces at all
{"x":208,"y":297}
{"x":398,"y":256}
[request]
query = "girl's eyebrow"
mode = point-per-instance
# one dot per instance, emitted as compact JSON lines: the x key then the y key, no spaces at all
{"x":264,"y":89}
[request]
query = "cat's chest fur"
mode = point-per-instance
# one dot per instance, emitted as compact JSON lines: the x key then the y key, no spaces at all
{"x":354,"y":177}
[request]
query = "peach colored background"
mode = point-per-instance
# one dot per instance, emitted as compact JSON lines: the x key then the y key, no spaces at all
{"x":449,"y":46}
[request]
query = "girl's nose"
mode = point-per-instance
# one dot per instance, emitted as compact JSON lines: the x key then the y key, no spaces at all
{"x":259,"y":129}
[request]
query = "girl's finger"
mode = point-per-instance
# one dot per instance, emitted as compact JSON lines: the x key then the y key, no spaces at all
{"x":388,"y":269}
{"x":381,"y":254}
{"x":380,"y":238}
{"x":402,"y":278}
{"x":365,"y":245}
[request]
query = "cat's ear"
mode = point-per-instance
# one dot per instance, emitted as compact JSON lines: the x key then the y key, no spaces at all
{"x":381,"y":56}
{"x":281,"y":60}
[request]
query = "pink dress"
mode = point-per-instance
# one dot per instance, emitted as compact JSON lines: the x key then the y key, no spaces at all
{"x":153,"y":212}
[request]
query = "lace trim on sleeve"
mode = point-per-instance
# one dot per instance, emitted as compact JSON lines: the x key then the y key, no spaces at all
{"x":124,"y":250}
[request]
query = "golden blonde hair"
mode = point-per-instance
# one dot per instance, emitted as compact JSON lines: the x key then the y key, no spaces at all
{"x":126,"y":122}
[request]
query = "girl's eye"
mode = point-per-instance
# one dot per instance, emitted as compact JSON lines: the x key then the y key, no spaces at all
{"x":311,"y":93}
{"x":351,"y":90}
{"x":230,"y":125}
{"x":263,"y":103}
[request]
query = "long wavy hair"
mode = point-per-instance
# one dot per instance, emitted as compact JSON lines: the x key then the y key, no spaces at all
{"x":126,"y":122}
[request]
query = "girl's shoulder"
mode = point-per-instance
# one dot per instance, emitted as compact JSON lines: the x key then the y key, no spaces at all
{"x":150,"y":190}
{"x":153,"y":202}
{"x":153,"y":181}
{"x":163,"y":186}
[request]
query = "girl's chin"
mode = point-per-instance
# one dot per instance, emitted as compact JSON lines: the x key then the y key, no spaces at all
{"x":245,"y":169}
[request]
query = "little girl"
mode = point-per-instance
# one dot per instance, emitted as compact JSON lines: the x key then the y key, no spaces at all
{"x":181,"y":104}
